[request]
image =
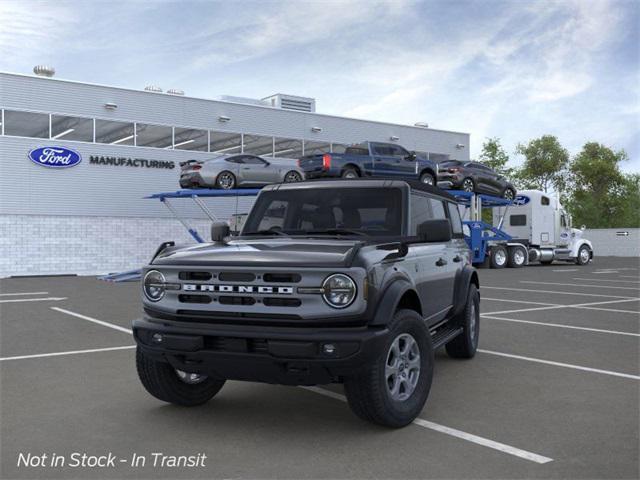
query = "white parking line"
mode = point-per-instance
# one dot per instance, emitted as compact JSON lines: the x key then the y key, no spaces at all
{"x":93,"y":320}
{"x":518,"y":301}
{"x":561,"y":325}
{"x":628,"y":276}
{"x":581,"y":285}
{"x":47,"y":299}
{"x":469,"y":437}
{"x":587,"y":306}
{"x":560,"y":364}
{"x":72,"y":352}
{"x":566,"y":270}
{"x":23,"y":293}
{"x":533,"y":290}
{"x":604,"y":280}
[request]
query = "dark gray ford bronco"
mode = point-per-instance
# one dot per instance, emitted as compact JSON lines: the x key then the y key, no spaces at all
{"x":342,"y":281}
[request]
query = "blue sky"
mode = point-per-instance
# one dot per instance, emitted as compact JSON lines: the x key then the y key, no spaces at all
{"x":514,"y":70}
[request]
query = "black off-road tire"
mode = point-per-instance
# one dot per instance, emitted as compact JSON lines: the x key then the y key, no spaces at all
{"x":466,"y":344}
{"x":161,"y":380}
{"x":350,"y":172}
{"x":428,"y":179}
{"x":367,"y":392}
{"x":499,"y":256}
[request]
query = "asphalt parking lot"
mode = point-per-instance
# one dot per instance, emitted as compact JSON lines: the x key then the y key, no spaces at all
{"x":553,"y":392}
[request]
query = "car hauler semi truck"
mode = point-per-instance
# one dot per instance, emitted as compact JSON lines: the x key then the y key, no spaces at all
{"x":540,"y":223}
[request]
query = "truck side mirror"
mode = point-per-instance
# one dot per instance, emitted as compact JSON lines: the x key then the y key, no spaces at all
{"x":411,"y":156}
{"x":435,"y":231}
{"x":219,"y":231}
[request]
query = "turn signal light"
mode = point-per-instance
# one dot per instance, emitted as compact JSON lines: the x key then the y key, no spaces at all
{"x":326,"y":161}
{"x":196,"y":167}
{"x":454,"y":170}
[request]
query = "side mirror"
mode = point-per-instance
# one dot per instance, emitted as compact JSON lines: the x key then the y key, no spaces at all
{"x":219,"y":231}
{"x":411,"y":156}
{"x":435,"y":230}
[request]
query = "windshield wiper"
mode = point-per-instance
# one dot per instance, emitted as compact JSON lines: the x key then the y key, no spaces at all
{"x":266,"y":232}
{"x":336,"y":231}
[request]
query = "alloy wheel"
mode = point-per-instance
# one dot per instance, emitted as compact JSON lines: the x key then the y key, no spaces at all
{"x":467,"y":185}
{"x":402,"y":367}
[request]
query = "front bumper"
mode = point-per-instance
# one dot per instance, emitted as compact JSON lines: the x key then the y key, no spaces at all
{"x":282,"y":355}
{"x":455,"y":179}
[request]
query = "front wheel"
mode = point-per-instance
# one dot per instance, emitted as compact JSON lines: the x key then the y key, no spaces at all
{"x":292,"y":177}
{"x":427,"y":179}
{"x":392,"y":389}
{"x":466,"y":344}
{"x":226,"y":180}
{"x":584,"y":255}
{"x":468,"y":185}
{"x":175,"y":386}
{"x":498,"y":256}
{"x":509,"y":194}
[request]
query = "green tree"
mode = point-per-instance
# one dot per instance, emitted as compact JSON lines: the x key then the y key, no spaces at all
{"x":600,"y":195}
{"x":545,"y":164}
{"x":494,"y":156}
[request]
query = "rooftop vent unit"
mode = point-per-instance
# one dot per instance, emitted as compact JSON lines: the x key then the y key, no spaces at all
{"x":153,"y":88}
{"x":291,"y":102}
{"x":175,"y":91}
{"x":44,"y":71}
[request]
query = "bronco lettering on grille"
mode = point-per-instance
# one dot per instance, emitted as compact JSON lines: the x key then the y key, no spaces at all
{"x":263,"y":289}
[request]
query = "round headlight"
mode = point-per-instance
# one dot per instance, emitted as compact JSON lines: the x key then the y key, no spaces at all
{"x":153,"y":285}
{"x":339,"y":290}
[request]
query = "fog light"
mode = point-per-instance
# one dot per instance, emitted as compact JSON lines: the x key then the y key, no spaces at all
{"x":157,"y":338}
{"x":329,"y":348}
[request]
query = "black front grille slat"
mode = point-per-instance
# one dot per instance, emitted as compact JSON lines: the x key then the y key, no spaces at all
{"x":282,"y":277}
{"x":236,"y":277}
{"x":231,"y":300}
{"x":195,"y":276}
{"x":194,"y":298}
{"x":281,"y":302}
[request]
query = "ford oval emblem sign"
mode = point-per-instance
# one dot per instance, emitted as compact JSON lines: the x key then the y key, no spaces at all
{"x":55,"y":157}
{"x":521,"y":200}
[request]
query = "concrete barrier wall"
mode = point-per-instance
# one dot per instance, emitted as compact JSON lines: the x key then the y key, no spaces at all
{"x":614,"y":242}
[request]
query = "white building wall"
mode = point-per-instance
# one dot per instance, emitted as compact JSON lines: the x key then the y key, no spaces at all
{"x":613,"y":242}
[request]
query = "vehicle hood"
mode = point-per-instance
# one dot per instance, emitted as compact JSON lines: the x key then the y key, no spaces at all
{"x":264,"y":252}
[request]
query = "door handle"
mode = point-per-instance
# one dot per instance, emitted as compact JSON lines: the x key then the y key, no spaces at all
{"x":246,"y":168}
{"x":457,"y":258}
{"x":441,"y":262}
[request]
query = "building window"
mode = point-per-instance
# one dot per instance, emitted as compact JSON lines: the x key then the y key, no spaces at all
{"x":225,"y":143}
{"x":313,"y":148}
{"x":258,"y":145}
{"x":114,"y":133}
{"x":191,"y":139}
{"x":71,"y":128}
{"x":156,"y":136}
{"x":287,"y":148}
{"x":26,"y":124}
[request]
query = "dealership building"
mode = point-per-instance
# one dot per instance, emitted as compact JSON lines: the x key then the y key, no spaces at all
{"x":93,"y":217}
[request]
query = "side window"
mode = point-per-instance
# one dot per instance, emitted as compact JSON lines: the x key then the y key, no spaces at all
{"x":420,"y":212}
{"x":563,"y":220}
{"x":235,"y":160}
{"x":544,"y":201}
{"x":454,"y":217}
{"x":518,"y":220}
{"x":251,"y":160}
{"x":437,"y":209}
{"x":398,"y":151}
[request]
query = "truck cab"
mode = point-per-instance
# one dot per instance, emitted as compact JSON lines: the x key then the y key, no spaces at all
{"x":538,"y":221}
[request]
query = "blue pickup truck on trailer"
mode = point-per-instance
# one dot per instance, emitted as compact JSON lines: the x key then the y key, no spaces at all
{"x":371,"y":159}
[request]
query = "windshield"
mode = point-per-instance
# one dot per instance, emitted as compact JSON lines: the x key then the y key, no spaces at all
{"x":323,"y":211}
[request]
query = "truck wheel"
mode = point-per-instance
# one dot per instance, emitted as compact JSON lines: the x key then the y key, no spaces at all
{"x":468,"y":185}
{"x":584,"y":255}
{"x":466,"y":344}
{"x":350,"y":173}
{"x":174,"y":386}
{"x":226,"y":180}
{"x":498,"y":256}
{"x":427,"y":179}
{"x":517,"y":257}
{"x":393,"y":388}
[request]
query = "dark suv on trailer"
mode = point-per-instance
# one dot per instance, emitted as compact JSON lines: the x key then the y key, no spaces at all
{"x":341,"y":281}
{"x":475,"y":177}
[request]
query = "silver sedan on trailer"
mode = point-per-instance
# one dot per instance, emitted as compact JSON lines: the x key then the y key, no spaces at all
{"x":239,"y":170}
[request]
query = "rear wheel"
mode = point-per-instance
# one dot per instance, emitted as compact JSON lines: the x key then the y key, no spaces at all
{"x":498,"y":256}
{"x":509,"y":194}
{"x":517,"y":257}
{"x":427,"y":178}
{"x":466,"y":344}
{"x":350,"y":173}
{"x":468,"y":185}
{"x":392,"y":389}
{"x":292,"y":177}
{"x":226,"y":180}
{"x":175,"y":386}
